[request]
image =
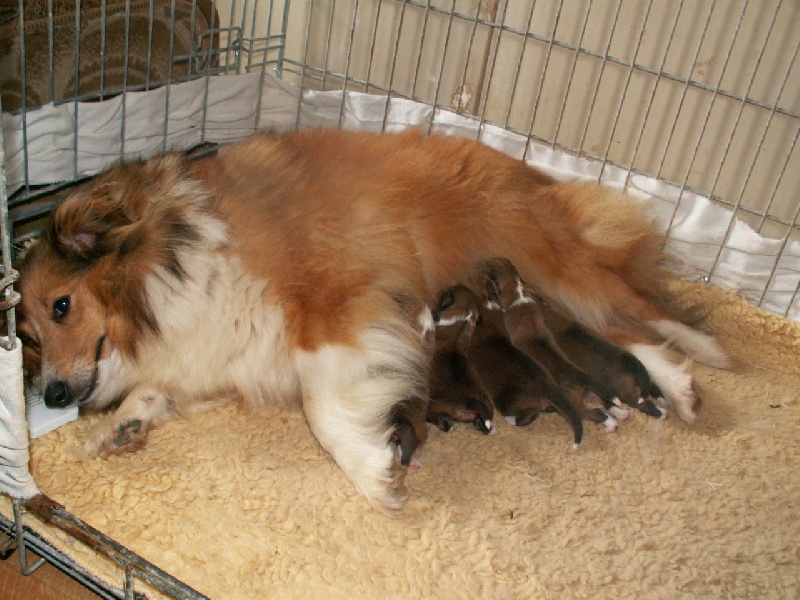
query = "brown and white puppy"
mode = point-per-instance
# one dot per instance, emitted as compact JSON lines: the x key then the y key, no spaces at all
{"x":618,"y":369}
{"x":267,"y":272}
{"x":527,"y":329}
{"x":519,"y":388}
{"x":457,"y":394}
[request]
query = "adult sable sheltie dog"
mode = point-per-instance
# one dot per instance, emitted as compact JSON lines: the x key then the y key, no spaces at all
{"x":272,"y":270}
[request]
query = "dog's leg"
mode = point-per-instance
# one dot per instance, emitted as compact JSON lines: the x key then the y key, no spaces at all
{"x":349,"y":395}
{"x":126,"y":429}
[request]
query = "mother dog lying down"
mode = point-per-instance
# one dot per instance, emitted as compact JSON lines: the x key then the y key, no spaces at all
{"x":274,"y":272}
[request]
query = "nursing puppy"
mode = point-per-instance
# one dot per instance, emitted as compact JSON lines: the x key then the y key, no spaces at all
{"x":618,"y":370}
{"x":519,"y":388}
{"x":268,"y":271}
{"x":456,"y":391}
{"x":526,"y":327}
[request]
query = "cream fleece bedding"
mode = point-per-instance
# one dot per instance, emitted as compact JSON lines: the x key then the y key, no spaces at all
{"x":242,"y":505}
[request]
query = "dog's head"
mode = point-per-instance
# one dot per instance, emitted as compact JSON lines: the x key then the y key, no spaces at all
{"x":84,"y":284}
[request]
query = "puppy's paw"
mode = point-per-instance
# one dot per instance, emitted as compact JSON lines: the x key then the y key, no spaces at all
{"x":111,"y":436}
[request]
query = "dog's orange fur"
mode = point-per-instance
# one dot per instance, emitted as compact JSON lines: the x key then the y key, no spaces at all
{"x":313,"y":236}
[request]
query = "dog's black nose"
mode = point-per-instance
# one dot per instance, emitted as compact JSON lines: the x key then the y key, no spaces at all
{"x":57,"y":395}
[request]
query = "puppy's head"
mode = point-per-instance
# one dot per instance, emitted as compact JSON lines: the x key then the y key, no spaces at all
{"x":456,"y":315}
{"x":84,"y":285}
{"x":502,"y":283}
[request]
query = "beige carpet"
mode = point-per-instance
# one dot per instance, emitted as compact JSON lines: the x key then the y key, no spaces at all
{"x":248,"y":506}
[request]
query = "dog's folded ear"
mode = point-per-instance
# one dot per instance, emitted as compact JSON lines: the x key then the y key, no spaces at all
{"x":108,"y":215}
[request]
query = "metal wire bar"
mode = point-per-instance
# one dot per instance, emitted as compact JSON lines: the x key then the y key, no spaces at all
{"x":372,"y":45}
{"x":8,"y":297}
{"x":150,"y":25}
{"x":168,"y":83}
{"x":50,"y":49}
{"x":544,"y":75}
{"x":262,"y":78}
{"x":635,"y":152}
{"x":302,"y":85}
{"x":785,"y":240}
{"x":328,"y":34}
{"x":624,"y":91}
{"x":738,"y":119}
{"x":394,"y":64}
{"x":59,"y":560}
{"x":212,"y":25}
{"x":576,"y":54}
{"x":124,"y":96}
{"x":103,"y":20}
{"x":422,"y":38}
{"x":75,"y":118}
{"x":441,"y":66}
{"x":22,"y":550}
{"x":523,"y":46}
{"x":605,"y":57}
{"x":24,"y":93}
{"x":705,"y":121}
{"x":490,"y":77}
{"x":460,"y":90}
{"x":54,"y":514}
{"x":351,"y":38}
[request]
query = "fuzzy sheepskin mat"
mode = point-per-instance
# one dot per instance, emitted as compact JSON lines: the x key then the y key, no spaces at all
{"x":249,"y":506}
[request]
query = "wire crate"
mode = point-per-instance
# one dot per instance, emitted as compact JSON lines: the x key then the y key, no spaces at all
{"x":694,"y":106}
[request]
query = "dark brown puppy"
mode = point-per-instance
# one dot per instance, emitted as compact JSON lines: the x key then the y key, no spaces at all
{"x":619,"y":370}
{"x":456,"y":392}
{"x":519,"y":388}
{"x":527,"y":330}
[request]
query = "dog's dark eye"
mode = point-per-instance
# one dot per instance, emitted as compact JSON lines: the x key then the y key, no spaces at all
{"x":60,"y":308}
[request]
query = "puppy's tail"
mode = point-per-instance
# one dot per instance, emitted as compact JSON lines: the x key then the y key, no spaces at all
{"x":569,"y":412}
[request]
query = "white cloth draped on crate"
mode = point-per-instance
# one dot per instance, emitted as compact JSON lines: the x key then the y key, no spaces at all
{"x":704,"y":235}
{"x":15,"y":479}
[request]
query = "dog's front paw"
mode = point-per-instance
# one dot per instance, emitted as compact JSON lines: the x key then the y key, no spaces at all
{"x":116,"y":437}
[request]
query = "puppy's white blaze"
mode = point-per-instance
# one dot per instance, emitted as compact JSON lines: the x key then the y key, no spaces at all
{"x":521,"y":297}
{"x":426,"y":322}
{"x":488,"y":424}
{"x":640,"y":401}
{"x":616,"y":401}
{"x":620,"y":413}
{"x":674,"y":381}
{"x":698,"y":345}
{"x":347,"y":395}
{"x":453,"y":320}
